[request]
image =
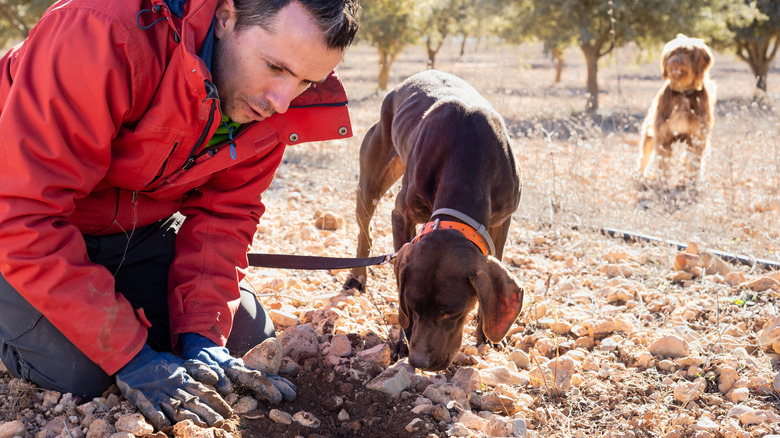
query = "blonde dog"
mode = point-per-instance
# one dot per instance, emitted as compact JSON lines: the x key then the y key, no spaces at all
{"x":683,"y":109}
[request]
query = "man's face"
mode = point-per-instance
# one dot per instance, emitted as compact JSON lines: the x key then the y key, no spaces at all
{"x":257,"y":72}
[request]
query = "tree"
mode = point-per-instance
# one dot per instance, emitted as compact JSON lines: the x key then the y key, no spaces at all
{"x":390,"y":25}
{"x":440,"y":20}
{"x":17,"y":17}
{"x":757,"y":42}
{"x":599,"y":26}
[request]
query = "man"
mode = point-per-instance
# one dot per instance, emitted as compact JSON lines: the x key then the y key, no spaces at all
{"x":137,"y":138}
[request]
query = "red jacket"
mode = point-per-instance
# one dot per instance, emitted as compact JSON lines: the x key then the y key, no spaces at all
{"x":104,"y":115}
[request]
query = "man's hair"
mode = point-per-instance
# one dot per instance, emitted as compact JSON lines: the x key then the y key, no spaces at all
{"x":338,"y":19}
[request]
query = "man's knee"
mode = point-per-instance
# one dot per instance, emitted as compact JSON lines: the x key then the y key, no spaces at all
{"x":251,"y":324}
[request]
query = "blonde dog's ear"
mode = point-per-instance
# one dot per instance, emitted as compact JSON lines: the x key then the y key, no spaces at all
{"x":703,"y":61}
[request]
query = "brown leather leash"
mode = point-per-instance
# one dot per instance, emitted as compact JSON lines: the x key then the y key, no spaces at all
{"x":288,"y":261}
{"x":471,"y":229}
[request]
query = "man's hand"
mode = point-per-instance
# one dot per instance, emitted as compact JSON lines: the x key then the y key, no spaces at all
{"x":161,"y":386}
{"x":232,"y":370}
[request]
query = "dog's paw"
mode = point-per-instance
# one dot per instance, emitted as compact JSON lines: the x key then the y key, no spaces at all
{"x":356,"y":284}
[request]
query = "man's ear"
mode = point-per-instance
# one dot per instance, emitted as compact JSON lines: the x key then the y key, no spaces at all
{"x":224,"y":17}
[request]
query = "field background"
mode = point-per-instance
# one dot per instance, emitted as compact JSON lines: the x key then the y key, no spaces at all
{"x":578,"y":169}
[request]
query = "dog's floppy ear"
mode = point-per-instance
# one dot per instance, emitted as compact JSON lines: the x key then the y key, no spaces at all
{"x":399,"y":267}
{"x":664,"y":59}
{"x":500,"y":299}
{"x":702,"y":61}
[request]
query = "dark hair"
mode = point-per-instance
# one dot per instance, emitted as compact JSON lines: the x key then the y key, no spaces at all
{"x":338,"y":19}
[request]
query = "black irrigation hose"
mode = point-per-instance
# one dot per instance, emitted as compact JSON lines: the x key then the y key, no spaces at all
{"x":630,"y":236}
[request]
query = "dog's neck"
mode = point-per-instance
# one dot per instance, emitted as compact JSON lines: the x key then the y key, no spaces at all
{"x":687,"y":92}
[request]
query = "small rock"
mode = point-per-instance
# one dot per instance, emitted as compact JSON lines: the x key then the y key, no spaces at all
{"x":670,"y":346}
{"x":306,"y":419}
{"x":776,"y":383}
{"x":328,"y":220}
{"x":520,"y":358}
{"x":728,"y":375}
{"x":340,"y":346}
{"x":245,"y":404}
{"x":762,"y":284}
{"x":474,"y":422}
{"x":416,"y":425}
{"x":444,"y":393}
{"x":100,"y":429}
{"x":500,"y":403}
{"x":343,"y":415}
{"x":689,"y":391}
{"x":391,"y":381}
{"x":11,"y":429}
{"x":379,"y":355}
{"x":495,"y":376}
{"x":283,"y":319}
{"x":299,"y":340}
{"x":133,"y":423}
{"x":280,"y":416}
{"x":706,"y":424}
{"x":467,"y":378}
{"x":738,"y":395}
{"x":265,"y":356}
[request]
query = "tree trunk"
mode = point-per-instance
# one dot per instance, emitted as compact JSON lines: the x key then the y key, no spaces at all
{"x":384,"y":69}
{"x":433,"y":50}
{"x":592,"y":61}
{"x":758,"y":53}
{"x":463,"y":44}
{"x":557,"y":55}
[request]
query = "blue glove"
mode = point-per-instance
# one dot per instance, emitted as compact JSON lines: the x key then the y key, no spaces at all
{"x":162,"y":387}
{"x":230,"y":369}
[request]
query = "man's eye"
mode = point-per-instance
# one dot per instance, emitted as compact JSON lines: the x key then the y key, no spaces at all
{"x":274,"y":67}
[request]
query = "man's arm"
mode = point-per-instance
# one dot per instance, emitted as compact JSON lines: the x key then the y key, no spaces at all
{"x":60,"y":111}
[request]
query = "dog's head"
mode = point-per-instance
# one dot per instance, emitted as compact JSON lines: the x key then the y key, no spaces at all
{"x":686,"y":62}
{"x":440,"y":279}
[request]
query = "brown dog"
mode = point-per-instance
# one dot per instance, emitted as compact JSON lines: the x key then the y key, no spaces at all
{"x":460,"y":177}
{"x":683,"y":109}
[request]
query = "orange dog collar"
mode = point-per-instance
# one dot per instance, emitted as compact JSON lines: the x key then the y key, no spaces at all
{"x":468,"y":231}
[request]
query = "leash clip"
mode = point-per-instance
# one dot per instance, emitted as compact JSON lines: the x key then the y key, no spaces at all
{"x":435,"y":224}
{"x":387,"y":259}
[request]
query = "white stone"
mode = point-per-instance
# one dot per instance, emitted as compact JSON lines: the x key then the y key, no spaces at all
{"x":416,"y":425}
{"x":306,"y":419}
{"x":391,"y":381}
{"x":283,"y":319}
{"x":343,"y":415}
{"x":265,"y":356}
{"x":706,"y":424}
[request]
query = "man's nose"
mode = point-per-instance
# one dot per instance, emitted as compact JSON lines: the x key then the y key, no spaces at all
{"x":281,"y":96}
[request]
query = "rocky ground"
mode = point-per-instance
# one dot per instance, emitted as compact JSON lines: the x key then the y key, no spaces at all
{"x":617,"y":338}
